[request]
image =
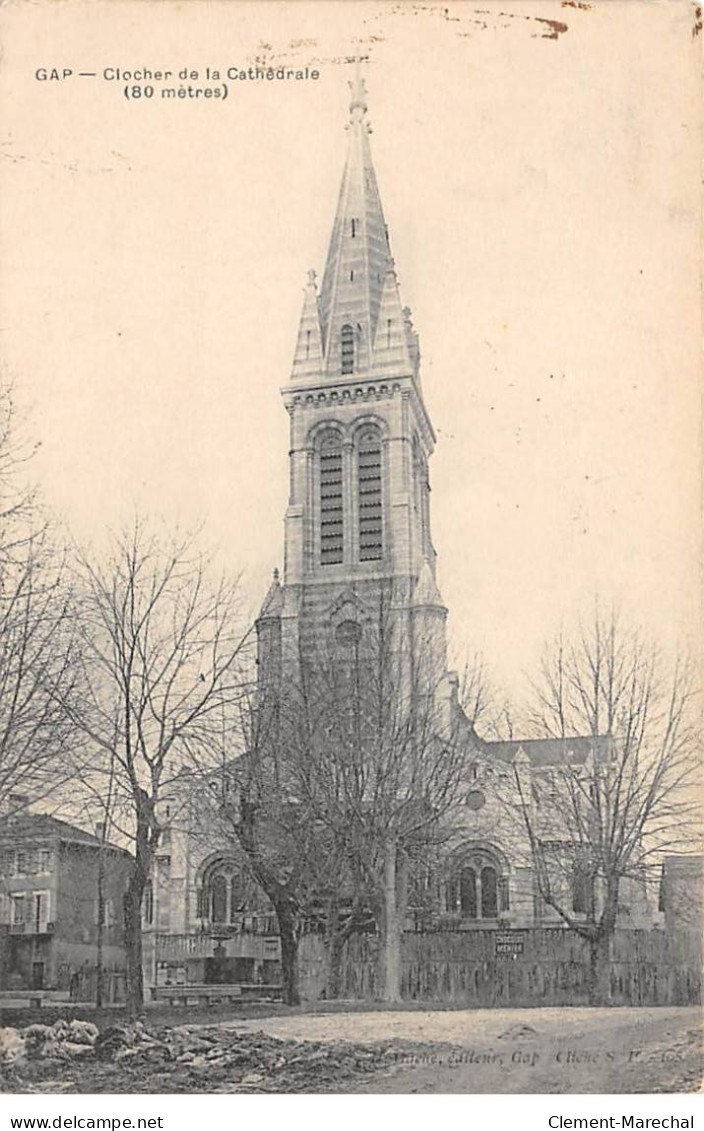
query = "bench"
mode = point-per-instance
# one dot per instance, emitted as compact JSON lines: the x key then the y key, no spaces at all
{"x":27,"y":999}
{"x":200,"y":994}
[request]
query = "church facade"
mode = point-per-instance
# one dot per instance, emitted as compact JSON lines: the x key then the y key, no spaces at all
{"x":358,"y":539}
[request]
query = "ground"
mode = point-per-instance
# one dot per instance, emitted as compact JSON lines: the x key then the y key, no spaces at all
{"x":518,"y":1050}
{"x":345,"y":1048}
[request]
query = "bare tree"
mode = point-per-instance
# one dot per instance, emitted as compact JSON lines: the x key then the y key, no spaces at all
{"x":350,"y":766}
{"x":252,"y":801}
{"x":378,"y":764}
{"x":485,"y":705}
{"x":604,"y":819}
{"x":163,"y":658}
{"x":36,"y":634}
{"x":19,"y":514}
{"x":37,"y":673}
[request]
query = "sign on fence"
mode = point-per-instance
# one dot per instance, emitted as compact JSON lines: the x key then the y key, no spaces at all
{"x":508,"y":944}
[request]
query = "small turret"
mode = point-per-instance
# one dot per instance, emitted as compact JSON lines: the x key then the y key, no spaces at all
{"x":426,"y":594}
{"x":428,"y":616}
{"x":273,"y":603}
{"x":308,"y":358}
{"x":268,"y":626}
{"x":391,"y":352}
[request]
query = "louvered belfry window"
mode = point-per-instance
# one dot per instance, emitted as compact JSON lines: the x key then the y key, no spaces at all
{"x":331,"y":516}
{"x":347,"y":348}
{"x":369,"y":496}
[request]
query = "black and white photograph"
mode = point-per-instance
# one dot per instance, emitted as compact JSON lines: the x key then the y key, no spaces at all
{"x":350,"y":551}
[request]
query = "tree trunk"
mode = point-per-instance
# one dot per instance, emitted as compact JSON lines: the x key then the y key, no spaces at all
{"x":599,"y":970}
{"x":600,"y":947}
{"x":284,"y":903}
{"x":133,"y":941}
{"x":144,"y":855}
{"x":101,"y":930}
{"x":391,"y":935}
{"x":288,"y":935}
{"x":335,"y":950}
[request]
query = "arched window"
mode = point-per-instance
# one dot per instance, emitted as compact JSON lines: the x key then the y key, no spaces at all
{"x":331,"y":507}
{"x":218,"y":899}
{"x":345,"y":673}
{"x":148,"y":904}
{"x":347,"y":348}
{"x":225,"y":892}
{"x":369,"y":495}
{"x":421,"y":489}
{"x":348,"y":635}
{"x":476,"y":889}
{"x":490,"y":900}
{"x":468,"y":893}
{"x":238,"y":897}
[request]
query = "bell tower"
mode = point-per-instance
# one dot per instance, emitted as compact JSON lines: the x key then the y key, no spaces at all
{"x":357,"y":525}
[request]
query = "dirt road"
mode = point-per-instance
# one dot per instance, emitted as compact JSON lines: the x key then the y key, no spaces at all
{"x":529,"y":1050}
{"x":363,"y":1051}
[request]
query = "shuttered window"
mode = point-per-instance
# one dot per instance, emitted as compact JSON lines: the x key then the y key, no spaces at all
{"x":369,"y":496}
{"x":331,"y":513}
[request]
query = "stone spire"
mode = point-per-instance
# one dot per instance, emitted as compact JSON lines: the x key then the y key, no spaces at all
{"x":308,"y":358}
{"x":391,"y":353}
{"x":358,"y":256}
{"x":359,"y":290}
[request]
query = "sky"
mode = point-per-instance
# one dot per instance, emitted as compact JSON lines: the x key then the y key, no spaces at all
{"x":540,"y":183}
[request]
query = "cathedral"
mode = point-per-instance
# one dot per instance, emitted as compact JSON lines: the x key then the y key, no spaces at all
{"x":357,"y":526}
{"x":358,"y":535}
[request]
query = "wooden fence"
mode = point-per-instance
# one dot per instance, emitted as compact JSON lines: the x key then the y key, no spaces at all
{"x":484,"y":968}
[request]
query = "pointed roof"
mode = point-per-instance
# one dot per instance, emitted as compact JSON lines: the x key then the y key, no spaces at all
{"x":426,"y":594}
{"x":359,"y":290}
{"x":308,"y":358}
{"x":391,"y":344}
{"x":273,"y":603}
{"x":358,"y":255}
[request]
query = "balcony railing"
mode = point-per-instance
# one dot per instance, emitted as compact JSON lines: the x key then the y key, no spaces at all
{"x":31,"y":928}
{"x":202,"y":945}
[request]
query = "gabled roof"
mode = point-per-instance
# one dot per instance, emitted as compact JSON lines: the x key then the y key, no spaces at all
{"x":43,"y":826}
{"x":551,"y":751}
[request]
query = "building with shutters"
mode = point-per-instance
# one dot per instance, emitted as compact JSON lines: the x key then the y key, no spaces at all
{"x":51,"y":877}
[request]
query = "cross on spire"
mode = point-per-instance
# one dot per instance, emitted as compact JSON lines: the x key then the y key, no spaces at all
{"x":358,"y":92}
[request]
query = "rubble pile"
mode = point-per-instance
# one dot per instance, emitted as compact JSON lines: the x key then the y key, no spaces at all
{"x":76,"y":1056}
{"x":64,"y":1040}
